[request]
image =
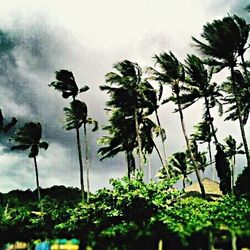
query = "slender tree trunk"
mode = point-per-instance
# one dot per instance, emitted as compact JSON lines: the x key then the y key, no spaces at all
{"x":244,"y":139}
{"x":37,"y":183}
{"x":211,"y":121}
{"x":163,"y":161}
{"x":159,"y":154}
{"x":80,"y":163}
{"x":183,"y":183}
{"x":196,"y":169}
{"x":162,"y":136}
{"x":128,"y":165}
{"x":149,"y":168}
{"x":139,"y":141}
{"x":233,"y":172}
{"x":87,"y":160}
{"x":211,"y":159}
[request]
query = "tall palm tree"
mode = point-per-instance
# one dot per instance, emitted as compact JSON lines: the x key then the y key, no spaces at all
{"x":5,"y":128}
{"x":172,"y":73}
{"x":29,"y":137}
{"x":76,"y":116}
{"x":66,"y":84}
{"x":224,"y":42}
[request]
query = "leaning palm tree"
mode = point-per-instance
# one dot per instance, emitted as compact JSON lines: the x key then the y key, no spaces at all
{"x":172,"y":73}
{"x":199,"y":86}
{"x":224,"y":42}
{"x":29,"y":137}
{"x":124,"y":86}
{"x":66,"y":84}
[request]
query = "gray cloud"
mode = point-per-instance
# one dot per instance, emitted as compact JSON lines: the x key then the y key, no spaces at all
{"x":38,"y":46}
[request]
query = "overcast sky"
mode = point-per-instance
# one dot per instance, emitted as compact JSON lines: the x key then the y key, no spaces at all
{"x":88,"y":37}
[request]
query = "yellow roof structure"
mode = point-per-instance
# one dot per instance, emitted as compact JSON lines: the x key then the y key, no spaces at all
{"x":212,"y":189}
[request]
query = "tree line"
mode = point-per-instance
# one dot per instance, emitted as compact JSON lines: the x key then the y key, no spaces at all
{"x":136,"y":95}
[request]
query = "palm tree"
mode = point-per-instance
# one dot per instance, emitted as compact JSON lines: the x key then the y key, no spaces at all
{"x":243,"y":90}
{"x":178,"y":164}
{"x":66,"y":84}
{"x":125,"y":88}
{"x":199,"y":86}
{"x":29,"y":137}
{"x":7,"y":127}
{"x":203,"y":134}
{"x":231,"y":149}
{"x":172,"y":73}
{"x":224,"y":42}
{"x":122,"y":138}
{"x":76,"y":116}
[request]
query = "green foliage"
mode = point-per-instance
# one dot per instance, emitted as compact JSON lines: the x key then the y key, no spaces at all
{"x":132,"y":212}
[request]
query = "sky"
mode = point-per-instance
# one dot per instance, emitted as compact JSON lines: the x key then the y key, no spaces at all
{"x":88,"y":37}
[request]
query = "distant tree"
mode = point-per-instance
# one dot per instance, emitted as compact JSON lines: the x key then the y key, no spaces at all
{"x":223,"y":169}
{"x":231,"y":149}
{"x":29,"y":137}
{"x":203,"y":134}
{"x":179,"y":164}
{"x":66,"y":84}
{"x":172,"y":73}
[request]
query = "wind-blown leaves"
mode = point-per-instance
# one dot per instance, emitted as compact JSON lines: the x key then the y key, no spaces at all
{"x":65,"y":83}
{"x":29,"y":136}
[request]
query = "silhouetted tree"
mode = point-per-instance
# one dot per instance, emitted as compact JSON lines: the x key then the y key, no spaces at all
{"x":29,"y":137}
{"x":65,"y":83}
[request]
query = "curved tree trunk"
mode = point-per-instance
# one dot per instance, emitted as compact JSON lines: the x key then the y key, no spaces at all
{"x":139,"y":141}
{"x":80,"y":163}
{"x":243,"y":134}
{"x":189,"y":148}
{"x":87,"y":160}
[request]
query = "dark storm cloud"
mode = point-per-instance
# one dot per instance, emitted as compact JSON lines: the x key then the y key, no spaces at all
{"x":29,"y":55}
